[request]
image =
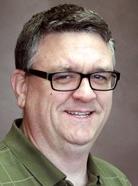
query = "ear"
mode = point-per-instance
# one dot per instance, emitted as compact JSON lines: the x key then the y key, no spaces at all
{"x":19,"y":85}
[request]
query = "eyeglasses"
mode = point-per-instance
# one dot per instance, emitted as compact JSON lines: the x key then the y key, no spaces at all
{"x":69,"y":81}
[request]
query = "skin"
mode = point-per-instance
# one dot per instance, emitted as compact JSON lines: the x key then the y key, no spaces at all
{"x":61,"y":136}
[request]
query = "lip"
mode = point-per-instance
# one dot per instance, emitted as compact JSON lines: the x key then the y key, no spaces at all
{"x":79,"y":113}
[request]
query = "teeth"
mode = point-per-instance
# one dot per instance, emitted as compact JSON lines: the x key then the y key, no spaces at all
{"x":80,"y":114}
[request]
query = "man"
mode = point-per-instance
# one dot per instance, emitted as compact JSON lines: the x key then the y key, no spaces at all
{"x":63,"y":82}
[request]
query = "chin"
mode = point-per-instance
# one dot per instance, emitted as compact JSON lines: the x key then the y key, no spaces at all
{"x":82,"y":140}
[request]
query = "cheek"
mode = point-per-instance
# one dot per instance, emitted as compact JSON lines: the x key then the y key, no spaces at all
{"x":108,"y":105}
{"x":105,"y":101}
{"x":36,"y":96}
{"x":51,"y":104}
{"x":58,"y":99}
{"x":43,"y":102}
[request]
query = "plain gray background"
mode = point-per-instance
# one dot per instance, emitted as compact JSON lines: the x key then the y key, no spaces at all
{"x":118,"y":142}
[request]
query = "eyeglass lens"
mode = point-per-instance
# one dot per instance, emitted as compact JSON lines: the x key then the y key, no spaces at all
{"x":71,"y":80}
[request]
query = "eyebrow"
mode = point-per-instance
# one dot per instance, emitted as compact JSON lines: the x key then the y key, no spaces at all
{"x":95,"y":69}
{"x":66,"y":69}
{"x":103,"y":69}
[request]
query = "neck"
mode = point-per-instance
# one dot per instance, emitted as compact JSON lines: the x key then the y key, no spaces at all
{"x":74,"y":166}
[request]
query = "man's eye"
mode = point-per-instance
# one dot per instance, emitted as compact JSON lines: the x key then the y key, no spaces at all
{"x":99,"y":77}
{"x":64,"y":78}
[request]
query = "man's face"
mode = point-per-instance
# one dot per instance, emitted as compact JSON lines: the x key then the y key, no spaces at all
{"x":74,"y":117}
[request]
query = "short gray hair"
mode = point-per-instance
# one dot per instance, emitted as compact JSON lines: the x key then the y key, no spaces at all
{"x":62,"y":18}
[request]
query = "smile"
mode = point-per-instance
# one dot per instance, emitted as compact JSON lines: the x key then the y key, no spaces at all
{"x":79,"y":114}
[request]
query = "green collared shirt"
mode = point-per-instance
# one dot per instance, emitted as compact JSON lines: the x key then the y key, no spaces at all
{"x":21,"y":164}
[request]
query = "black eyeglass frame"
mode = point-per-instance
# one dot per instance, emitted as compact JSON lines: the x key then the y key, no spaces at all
{"x":48,"y":76}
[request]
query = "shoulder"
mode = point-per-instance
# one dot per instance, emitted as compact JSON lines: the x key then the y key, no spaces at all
{"x":110,"y":173}
{"x":7,"y":160}
{"x":107,"y":168}
{"x":10,"y":168}
{"x":4,"y":153}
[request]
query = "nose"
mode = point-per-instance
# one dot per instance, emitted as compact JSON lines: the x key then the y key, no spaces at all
{"x":84,"y":93}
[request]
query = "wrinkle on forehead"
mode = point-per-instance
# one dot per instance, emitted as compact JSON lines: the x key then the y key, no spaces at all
{"x":78,"y":51}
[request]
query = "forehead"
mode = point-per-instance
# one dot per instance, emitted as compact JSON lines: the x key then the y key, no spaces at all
{"x":71,"y":50}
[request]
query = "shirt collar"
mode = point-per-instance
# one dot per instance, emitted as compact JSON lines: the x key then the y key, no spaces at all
{"x":94,"y":177}
{"x":39,"y":166}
